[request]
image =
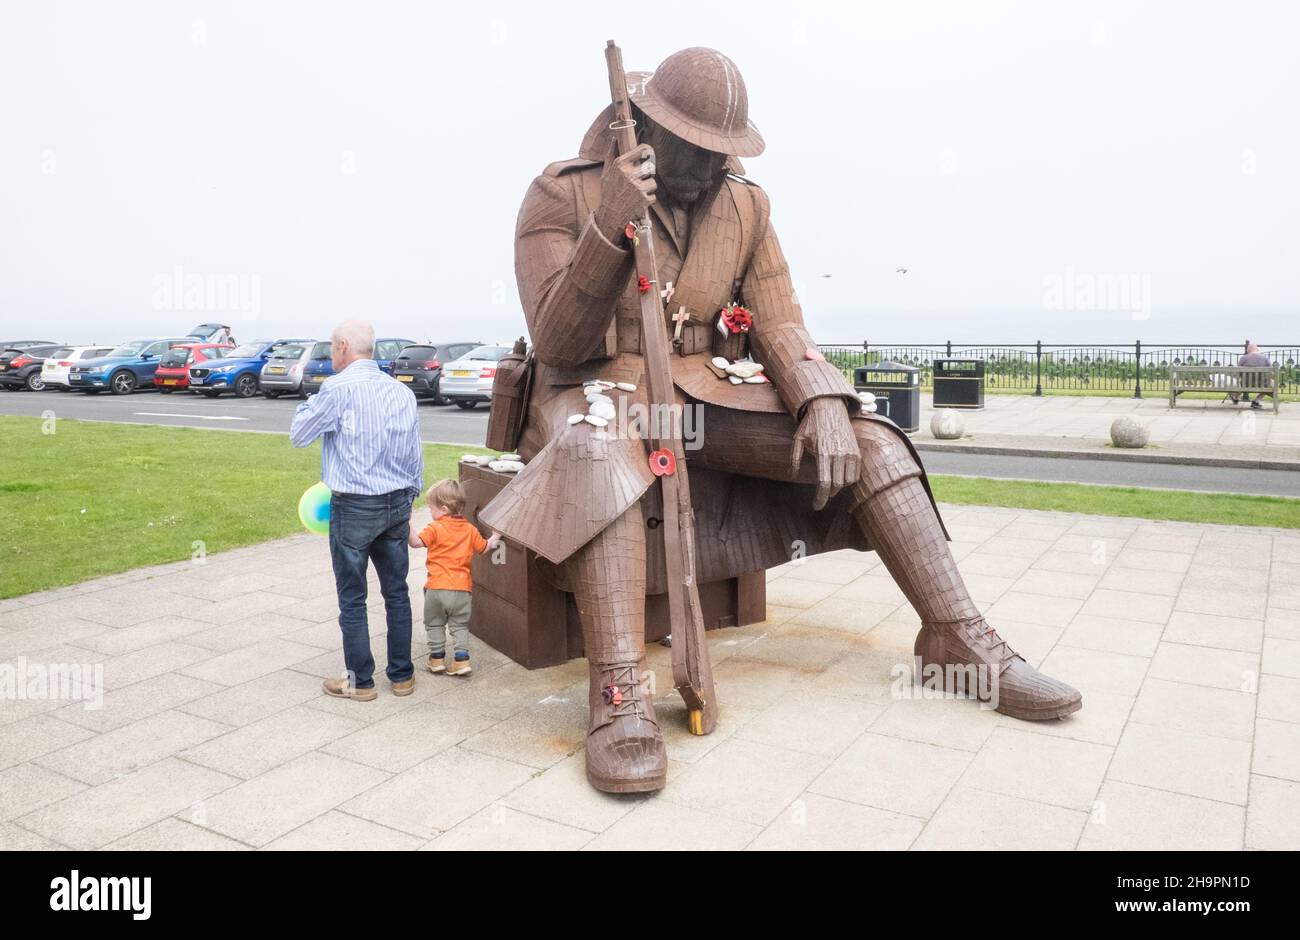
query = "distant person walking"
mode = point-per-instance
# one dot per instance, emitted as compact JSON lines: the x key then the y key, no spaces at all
{"x":374,"y":466}
{"x":1253,"y":357}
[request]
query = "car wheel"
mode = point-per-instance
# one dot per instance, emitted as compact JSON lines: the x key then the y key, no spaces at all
{"x":92,"y":391}
{"x":437,"y":394}
{"x":245,"y":386}
{"x":270,"y":394}
{"x":35,"y":383}
{"x":467,"y":405}
{"x":123,"y":383}
{"x":164,"y":389}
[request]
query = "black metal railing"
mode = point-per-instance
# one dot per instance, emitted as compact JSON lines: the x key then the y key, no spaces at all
{"x":1035,"y":368}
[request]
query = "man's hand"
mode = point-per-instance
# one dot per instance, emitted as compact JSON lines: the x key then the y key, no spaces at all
{"x":827,"y":434}
{"x":627,"y":189}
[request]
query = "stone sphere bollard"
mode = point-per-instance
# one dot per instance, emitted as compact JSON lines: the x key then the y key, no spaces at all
{"x":947,"y":424}
{"x":1129,"y":432}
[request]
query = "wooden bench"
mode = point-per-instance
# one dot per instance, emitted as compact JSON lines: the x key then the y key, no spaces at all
{"x":519,"y":610}
{"x":1231,"y":380}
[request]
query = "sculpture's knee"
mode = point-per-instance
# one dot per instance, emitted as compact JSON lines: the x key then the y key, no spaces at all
{"x":886,"y":460}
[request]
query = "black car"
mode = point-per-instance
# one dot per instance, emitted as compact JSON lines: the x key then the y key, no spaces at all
{"x":420,"y":366}
{"x":21,"y":368}
{"x":26,"y":343}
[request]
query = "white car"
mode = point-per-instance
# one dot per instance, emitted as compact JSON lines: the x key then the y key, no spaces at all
{"x":468,"y":380}
{"x":54,"y":373}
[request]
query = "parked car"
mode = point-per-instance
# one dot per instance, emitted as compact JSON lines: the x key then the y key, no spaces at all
{"x":283,"y":372}
{"x":26,"y":343}
{"x":320,"y":366}
{"x":468,"y":380}
{"x":21,"y":368}
{"x":125,"y":369}
{"x":387,"y":349}
{"x":55,"y":369}
{"x":420,"y":366}
{"x":239,"y":371}
{"x":217,"y":333}
{"x":173,"y":373}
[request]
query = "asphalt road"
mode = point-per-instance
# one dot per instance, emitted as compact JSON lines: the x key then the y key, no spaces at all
{"x":447,"y":423}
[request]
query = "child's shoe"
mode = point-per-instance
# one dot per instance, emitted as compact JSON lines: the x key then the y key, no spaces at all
{"x":437,"y":664}
{"x":459,"y":667}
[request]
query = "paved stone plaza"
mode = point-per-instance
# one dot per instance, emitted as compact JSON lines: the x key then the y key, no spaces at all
{"x":214,"y":732}
{"x":1195,"y":429}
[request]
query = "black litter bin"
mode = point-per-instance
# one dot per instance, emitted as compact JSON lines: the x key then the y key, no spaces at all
{"x":959,"y":383}
{"x":897,"y":389}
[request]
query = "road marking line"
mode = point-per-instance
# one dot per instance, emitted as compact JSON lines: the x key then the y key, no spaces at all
{"x":173,"y":414}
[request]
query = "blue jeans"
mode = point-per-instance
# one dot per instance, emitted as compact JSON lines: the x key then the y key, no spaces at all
{"x":372,"y":528}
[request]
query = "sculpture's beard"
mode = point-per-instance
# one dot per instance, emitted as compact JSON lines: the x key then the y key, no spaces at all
{"x":684,"y":190}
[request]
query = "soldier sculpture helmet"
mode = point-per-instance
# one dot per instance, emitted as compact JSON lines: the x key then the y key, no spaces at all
{"x":699,"y":95}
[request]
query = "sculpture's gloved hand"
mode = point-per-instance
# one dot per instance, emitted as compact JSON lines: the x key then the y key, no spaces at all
{"x":627,"y":189}
{"x":827,"y":434}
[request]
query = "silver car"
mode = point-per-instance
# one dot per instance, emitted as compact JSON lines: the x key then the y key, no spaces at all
{"x":468,"y":380}
{"x":282,"y":374}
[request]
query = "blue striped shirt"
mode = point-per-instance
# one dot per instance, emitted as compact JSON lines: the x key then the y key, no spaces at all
{"x":371,"y":431}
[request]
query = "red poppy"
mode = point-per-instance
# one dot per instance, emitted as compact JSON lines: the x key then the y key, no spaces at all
{"x":643,"y":283}
{"x":736,"y":318}
{"x":663,"y":463}
{"x":630,"y":233}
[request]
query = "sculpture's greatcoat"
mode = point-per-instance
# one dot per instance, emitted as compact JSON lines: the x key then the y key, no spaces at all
{"x":580,"y":297}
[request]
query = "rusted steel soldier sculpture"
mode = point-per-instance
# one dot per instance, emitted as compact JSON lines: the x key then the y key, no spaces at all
{"x":787,"y":464}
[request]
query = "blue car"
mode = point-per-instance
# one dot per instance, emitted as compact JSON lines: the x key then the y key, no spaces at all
{"x":127,"y":368}
{"x":320,"y":366}
{"x":239,"y":371}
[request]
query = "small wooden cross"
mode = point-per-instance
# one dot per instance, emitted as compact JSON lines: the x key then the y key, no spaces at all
{"x":667,"y":293}
{"x":680,"y":317}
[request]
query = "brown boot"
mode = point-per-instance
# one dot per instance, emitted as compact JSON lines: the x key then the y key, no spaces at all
{"x":1001,"y":675}
{"x":625,"y":748}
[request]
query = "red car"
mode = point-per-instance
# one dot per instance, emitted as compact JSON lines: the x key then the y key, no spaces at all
{"x":174,"y":367}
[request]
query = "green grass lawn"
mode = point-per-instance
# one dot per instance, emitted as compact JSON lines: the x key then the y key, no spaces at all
{"x":96,"y":498}
{"x":1173,"y":505}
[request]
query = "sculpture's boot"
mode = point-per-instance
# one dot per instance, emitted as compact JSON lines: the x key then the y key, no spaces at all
{"x":955,"y":644}
{"x":625,"y":747}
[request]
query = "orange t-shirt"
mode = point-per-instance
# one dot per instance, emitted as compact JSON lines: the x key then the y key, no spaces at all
{"x":452,"y":542}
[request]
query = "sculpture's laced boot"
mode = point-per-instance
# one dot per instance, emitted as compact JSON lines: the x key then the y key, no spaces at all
{"x":625,"y":748}
{"x":969,"y":658}
{"x":903,"y":529}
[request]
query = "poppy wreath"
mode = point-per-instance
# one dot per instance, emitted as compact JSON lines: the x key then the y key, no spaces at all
{"x":736,"y":318}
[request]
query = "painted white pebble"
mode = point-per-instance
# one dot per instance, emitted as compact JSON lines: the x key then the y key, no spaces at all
{"x":595,"y":421}
{"x":597,"y":396}
{"x":506,"y":466}
{"x":469,"y":458}
{"x":602,"y":409}
{"x":869,"y":407}
{"x":744,"y":368}
{"x":591,"y":390}
{"x":735,"y":379}
{"x":576,"y":419}
{"x":720,"y":362}
{"x":606,"y":385}
{"x":626,"y":387}
{"x":866,"y":397}
{"x":514,"y":457}
{"x":756,"y":380}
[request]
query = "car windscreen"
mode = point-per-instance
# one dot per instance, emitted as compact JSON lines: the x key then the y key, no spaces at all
{"x":321,"y":350}
{"x":418,"y":353}
{"x":291,"y":351}
{"x":246,"y":351}
{"x":174,"y":357}
{"x":487,"y":353}
{"x":130,"y":349}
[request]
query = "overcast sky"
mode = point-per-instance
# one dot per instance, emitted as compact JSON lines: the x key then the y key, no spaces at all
{"x":368,"y":159}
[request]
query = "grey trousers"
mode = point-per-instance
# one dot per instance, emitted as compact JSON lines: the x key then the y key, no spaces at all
{"x":447,"y":611}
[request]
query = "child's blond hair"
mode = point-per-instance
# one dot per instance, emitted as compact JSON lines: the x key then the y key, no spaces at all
{"x":448,"y":495}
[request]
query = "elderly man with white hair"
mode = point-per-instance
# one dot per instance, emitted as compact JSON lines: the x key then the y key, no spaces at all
{"x":372,"y":462}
